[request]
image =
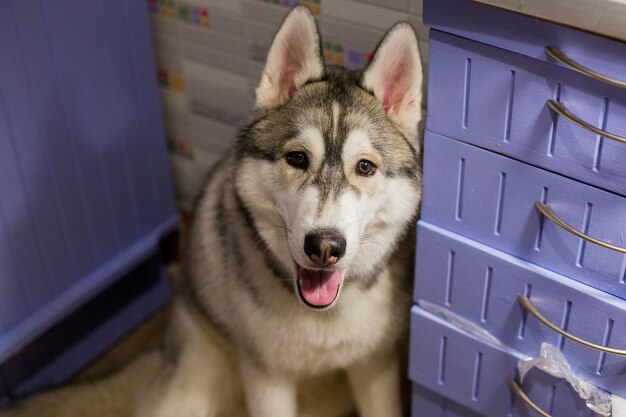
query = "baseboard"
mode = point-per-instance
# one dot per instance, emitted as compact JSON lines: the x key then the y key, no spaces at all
{"x":87,"y":333}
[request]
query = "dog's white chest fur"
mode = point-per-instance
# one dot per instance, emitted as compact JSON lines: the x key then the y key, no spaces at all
{"x":310,"y":342}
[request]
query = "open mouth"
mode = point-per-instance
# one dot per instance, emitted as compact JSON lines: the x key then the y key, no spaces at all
{"x":318,"y":288}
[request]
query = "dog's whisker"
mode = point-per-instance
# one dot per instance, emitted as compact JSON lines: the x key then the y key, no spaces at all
{"x":285,"y":228}
{"x":370,"y":240}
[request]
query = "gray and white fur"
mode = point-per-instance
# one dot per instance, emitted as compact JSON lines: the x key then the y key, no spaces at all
{"x":247,"y":341}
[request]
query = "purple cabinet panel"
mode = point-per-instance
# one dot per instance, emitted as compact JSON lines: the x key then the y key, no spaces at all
{"x":497,"y":100}
{"x":482,"y":284}
{"x":525,"y":35}
{"x":84,"y":173}
{"x":490,"y":198}
{"x":474,"y":374}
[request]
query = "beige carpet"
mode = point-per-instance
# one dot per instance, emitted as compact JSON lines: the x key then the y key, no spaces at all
{"x":111,"y":396}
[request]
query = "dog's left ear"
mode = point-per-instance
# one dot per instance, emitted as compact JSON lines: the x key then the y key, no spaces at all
{"x":395,"y":77}
{"x":294,"y":58}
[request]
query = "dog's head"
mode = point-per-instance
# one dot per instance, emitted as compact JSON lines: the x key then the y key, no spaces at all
{"x":329,"y":170}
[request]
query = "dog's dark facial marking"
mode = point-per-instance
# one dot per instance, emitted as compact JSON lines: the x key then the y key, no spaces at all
{"x":231,"y":250}
{"x":283,"y":277}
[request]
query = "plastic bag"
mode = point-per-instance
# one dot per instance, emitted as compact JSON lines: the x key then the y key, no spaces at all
{"x":552,"y":361}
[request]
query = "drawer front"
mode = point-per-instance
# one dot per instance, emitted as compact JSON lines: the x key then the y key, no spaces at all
{"x":525,"y":35}
{"x":490,"y":198}
{"x":474,"y":374}
{"x":425,"y":403}
{"x":498,"y":100}
{"x":482,"y":285}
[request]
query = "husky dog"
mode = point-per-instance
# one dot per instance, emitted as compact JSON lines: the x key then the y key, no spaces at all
{"x":291,"y":276}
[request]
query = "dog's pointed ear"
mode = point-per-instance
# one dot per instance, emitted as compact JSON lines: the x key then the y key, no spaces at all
{"x":395,"y":77}
{"x":294,"y":58}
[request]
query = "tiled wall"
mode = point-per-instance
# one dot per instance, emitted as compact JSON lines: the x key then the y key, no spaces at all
{"x":210,"y":55}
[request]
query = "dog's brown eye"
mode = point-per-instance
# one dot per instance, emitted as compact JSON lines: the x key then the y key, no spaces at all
{"x":297,"y":160}
{"x":366,"y":168}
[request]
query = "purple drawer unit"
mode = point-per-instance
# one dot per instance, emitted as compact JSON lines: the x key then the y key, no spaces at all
{"x":490,"y":198}
{"x":425,"y":403}
{"x":482,"y":284}
{"x":474,"y":373}
{"x":525,"y":35}
{"x":524,"y":195}
{"x":498,"y":100}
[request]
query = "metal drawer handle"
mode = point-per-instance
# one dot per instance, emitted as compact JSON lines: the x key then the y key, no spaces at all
{"x":547,"y":211}
{"x":528,"y":305}
{"x":558,"y":54}
{"x":563,"y":111}
{"x":519,"y":392}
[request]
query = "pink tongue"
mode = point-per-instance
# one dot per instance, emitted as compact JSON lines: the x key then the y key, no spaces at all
{"x":319,"y":288}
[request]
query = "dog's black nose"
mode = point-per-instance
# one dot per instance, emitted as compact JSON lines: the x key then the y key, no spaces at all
{"x":325,"y":246}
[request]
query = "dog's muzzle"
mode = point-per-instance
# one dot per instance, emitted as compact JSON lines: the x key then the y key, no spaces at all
{"x":320,"y":288}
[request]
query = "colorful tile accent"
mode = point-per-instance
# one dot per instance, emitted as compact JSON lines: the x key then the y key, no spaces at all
{"x":313,"y":5}
{"x":179,"y":147}
{"x":168,"y":79}
{"x":354,"y":57}
{"x":163,"y":78}
{"x":177,"y":82}
{"x":336,"y":52}
{"x":167,"y":8}
{"x":185,"y":11}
